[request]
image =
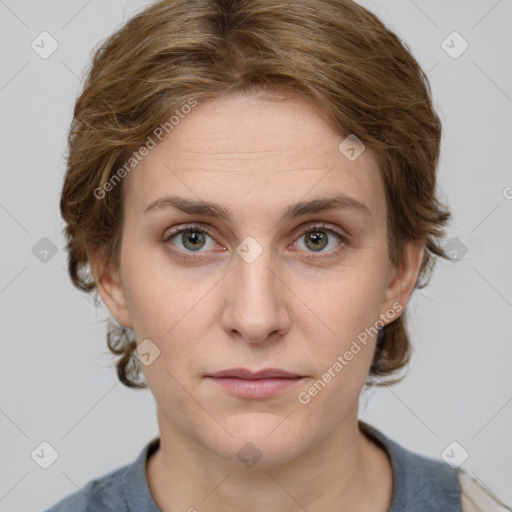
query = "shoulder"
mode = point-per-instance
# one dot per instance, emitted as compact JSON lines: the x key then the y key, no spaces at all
{"x":114,"y":490}
{"x":429,"y":484}
{"x":475,"y":498}
{"x":419,"y":482}
{"x":103,"y":493}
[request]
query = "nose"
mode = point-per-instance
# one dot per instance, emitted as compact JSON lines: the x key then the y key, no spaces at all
{"x":254,"y":300}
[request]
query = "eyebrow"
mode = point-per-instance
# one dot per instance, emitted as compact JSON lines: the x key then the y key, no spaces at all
{"x":208,"y":209}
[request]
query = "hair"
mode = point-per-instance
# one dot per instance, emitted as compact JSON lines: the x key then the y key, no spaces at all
{"x":335,"y":54}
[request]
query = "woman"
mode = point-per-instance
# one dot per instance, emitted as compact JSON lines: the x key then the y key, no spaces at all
{"x":252,"y":184}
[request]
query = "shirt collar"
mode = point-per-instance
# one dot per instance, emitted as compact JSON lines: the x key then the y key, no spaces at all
{"x":136,"y":488}
{"x":419,"y":483}
{"x":412,"y":482}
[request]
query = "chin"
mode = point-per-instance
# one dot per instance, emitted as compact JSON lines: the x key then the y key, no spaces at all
{"x":253,"y":453}
{"x":259,"y":443}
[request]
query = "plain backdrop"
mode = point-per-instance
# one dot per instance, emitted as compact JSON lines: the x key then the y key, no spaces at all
{"x":57,"y":382}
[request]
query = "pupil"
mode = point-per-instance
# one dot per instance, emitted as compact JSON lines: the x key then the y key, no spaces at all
{"x":195,"y":238}
{"x":318,"y":238}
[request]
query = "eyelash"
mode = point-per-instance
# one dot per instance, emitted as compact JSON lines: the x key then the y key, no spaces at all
{"x":168,"y":236}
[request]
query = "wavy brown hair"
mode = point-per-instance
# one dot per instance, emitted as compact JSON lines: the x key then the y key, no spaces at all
{"x":359,"y":75}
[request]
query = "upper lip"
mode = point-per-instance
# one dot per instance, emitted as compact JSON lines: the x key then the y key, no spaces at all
{"x":244,"y":373}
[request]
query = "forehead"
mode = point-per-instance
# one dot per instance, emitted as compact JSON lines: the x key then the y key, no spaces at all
{"x":248,"y":152}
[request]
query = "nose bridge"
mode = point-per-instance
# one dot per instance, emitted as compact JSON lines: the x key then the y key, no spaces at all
{"x":252,"y":270}
{"x":254,"y":304}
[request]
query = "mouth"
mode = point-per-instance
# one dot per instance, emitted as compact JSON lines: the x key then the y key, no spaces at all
{"x":255,"y":385}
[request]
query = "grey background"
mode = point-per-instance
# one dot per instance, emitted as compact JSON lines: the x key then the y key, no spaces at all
{"x":57,"y":382}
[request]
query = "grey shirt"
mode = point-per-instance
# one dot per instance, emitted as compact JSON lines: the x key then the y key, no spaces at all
{"x":420,"y":484}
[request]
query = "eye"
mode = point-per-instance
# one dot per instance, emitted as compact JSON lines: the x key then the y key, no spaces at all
{"x":317,"y":238}
{"x":195,"y":239}
{"x":191,"y":239}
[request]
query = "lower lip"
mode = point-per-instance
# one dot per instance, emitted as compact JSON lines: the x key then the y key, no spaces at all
{"x":256,"y":388}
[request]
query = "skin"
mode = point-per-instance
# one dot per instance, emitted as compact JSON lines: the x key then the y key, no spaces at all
{"x":283,"y":310}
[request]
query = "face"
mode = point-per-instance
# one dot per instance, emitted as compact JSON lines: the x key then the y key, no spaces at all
{"x":256,"y":281}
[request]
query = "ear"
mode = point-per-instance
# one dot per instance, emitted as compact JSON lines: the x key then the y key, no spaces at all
{"x":110,"y":287}
{"x":402,"y":279}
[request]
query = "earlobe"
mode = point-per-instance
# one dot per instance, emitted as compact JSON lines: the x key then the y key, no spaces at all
{"x":109,"y":285}
{"x":403,"y":279}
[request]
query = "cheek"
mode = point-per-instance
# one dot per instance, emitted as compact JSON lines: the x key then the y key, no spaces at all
{"x":349,"y":309}
{"x":350,"y":304}
{"x":158,"y":296}
{"x":174,"y":315}
{"x":176,"y":400}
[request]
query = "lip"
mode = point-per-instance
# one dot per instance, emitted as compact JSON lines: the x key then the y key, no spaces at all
{"x":244,"y":373}
{"x":255,"y":388}
{"x":255,"y":385}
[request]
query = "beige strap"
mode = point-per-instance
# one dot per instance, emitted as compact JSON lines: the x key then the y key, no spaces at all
{"x":475,"y":498}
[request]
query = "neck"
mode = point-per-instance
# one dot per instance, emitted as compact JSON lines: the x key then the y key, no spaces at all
{"x":347,"y":471}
